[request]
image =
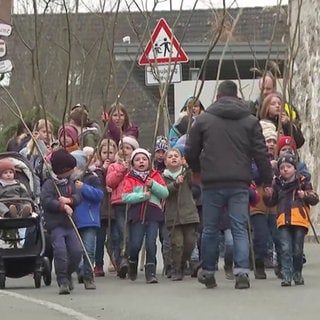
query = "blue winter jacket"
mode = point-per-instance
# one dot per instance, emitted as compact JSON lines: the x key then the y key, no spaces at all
{"x":87,"y":212}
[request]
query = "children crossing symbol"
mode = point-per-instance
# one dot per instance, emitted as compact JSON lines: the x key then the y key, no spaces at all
{"x":163,"y":47}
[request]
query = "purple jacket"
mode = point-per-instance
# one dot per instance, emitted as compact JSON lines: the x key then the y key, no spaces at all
{"x":115,"y":134}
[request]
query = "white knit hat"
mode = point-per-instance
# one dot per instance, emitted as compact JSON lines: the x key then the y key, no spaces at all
{"x":140,"y":150}
{"x":130,"y":140}
{"x":268,"y":130}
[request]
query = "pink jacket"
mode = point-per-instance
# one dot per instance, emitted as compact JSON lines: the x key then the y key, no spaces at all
{"x":115,"y":180}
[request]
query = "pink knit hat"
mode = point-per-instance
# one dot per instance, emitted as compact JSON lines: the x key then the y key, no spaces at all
{"x":70,"y":131}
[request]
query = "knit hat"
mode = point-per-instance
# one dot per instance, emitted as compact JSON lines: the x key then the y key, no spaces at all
{"x":268,"y":130}
{"x":6,"y":164}
{"x":287,"y":158}
{"x":130,"y":140}
{"x":68,"y":130}
{"x":81,"y":158}
{"x":161,"y":143}
{"x":62,"y":161}
{"x":286,"y":141}
{"x":140,"y":150}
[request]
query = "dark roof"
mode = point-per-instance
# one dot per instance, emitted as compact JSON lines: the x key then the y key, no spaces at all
{"x":254,"y":24}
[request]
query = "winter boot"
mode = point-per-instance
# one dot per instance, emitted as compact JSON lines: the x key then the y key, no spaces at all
{"x":286,"y":280}
{"x":228,"y":271}
{"x":123,"y":268}
{"x":133,"y":270}
{"x":98,"y":270}
{"x":89,"y":283}
{"x":64,"y":289}
{"x":207,"y":278}
{"x":177,"y":275}
{"x":242,"y":281}
{"x":26,"y":211}
{"x":13,"y":212}
{"x":194,"y":266}
{"x":150,"y":273}
{"x":260,"y":271}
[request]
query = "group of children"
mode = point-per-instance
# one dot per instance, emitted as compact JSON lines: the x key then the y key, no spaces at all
{"x":135,"y":197}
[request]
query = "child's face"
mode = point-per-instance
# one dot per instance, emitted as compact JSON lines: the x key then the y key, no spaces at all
{"x":7,"y":175}
{"x":274,"y":107}
{"x":284,"y":150}
{"x":67,"y":141}
{"x":159,"y":155}
{"x":140,"y":162}
{"x":271,"y":146}
{"x":126,"y":150}
{"x":173,"y":160}
{"x":44,"y":134}
{"x":104,"y":155}
{"x":287,"y":170}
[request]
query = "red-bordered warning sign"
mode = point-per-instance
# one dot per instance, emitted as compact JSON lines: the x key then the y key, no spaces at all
{"x":163,"y":47}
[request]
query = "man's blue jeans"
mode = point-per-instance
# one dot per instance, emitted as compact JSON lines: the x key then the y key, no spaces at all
{"x":215,"y":201}
{"x":292,"y":242}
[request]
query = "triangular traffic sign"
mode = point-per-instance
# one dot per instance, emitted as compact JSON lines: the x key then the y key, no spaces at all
{"x":163,"y":47}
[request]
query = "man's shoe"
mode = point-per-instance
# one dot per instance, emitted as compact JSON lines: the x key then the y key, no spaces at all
{"x":242,"y":281}
{"x":207,"y":278}
{"x":64,"y":289}
{"x":133,"y":270}
{"x":123,"y":269}
{"x":260,"y":270}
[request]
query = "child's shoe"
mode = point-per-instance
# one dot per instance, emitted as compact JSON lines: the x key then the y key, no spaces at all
{"x":26,"y":211}
{"x":111,"y":267}
{"x":64,"y":289}
{"x":89,"y":283}
{"x":298,"y":279}
{"x":286,"y":280}
{"x":13,"y":212}
{"x":228,"y":271}
{"x":286,"y":283}
{"x":177,"y":275}
{"x":150,"y":273}
{"x":98,"y":270}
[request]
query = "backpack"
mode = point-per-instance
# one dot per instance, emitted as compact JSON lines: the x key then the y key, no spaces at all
{"x":89,"y":138}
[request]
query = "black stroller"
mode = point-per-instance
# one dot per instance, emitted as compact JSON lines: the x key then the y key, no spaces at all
{"x":23,"y":248}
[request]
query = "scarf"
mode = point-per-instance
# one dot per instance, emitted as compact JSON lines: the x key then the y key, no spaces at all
{"x":140,"y":174}
{"x":172,"y":175}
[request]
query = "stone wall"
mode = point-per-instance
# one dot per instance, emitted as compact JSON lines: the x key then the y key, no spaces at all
{"x":306,"y":85}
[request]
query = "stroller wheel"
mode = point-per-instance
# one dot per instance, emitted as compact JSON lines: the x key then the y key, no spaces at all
{"x":46,"y":271}
{"x":37,"y":279}
{"x":2,"y":280}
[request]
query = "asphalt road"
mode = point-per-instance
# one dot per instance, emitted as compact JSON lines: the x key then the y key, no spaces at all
{"x":123,"y":299}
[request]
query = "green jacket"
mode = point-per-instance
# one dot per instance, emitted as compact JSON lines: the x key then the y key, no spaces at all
{"x":180,"y":207}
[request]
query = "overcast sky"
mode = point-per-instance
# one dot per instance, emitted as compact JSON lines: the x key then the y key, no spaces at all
{"x":205,"y":4}
{"x":23,"y":6}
